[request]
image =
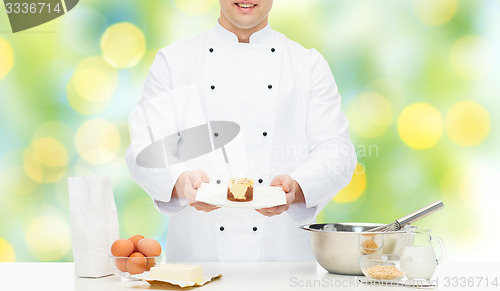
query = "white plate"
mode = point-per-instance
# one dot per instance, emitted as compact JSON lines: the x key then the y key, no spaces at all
{"x":263,"y":197}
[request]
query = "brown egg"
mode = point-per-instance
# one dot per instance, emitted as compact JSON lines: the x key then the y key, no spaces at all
{"x":121,"y":264}
{"x":149,"y":247}
{"x":122,"y":248}
{"x":135,"y":239}
{"x":151,"y":263}
{"x":136,"y":264}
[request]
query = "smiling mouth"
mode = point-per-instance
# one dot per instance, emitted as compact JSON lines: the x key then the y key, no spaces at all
{"x":245,"y":5}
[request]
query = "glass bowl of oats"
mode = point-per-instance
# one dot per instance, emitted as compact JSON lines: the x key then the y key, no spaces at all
{"x":384,"y":266}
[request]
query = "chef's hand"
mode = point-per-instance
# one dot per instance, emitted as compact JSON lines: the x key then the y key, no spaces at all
{"x":187,"y":185}
{"x":293,"y":194}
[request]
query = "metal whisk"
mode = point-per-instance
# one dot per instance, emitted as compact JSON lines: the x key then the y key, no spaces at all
{"x":410,"y":218}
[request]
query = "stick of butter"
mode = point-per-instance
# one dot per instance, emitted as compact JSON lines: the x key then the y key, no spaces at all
{"x":177,"y":272}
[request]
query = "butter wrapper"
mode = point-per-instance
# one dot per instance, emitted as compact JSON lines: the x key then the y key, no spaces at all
{"x":182,"y":284}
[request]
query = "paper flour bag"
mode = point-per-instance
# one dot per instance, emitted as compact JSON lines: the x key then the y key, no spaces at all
{"x":94,"y":224}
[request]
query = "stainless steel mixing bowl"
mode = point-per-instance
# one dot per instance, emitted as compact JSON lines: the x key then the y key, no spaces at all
{"x":337,"y":246}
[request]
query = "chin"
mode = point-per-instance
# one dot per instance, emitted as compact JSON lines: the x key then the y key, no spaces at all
{"x":243,"y":23}
{"x":246,"y":25}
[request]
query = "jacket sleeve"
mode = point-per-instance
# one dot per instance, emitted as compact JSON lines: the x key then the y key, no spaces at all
{"x":152,"y":119}
{"x":332,"y":157}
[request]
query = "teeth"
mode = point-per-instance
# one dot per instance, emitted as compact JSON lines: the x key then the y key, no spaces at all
{"x":244,"y":5}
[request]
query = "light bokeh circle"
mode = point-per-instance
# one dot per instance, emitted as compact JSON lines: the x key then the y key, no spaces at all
{"x":58,"y":130}
{"x":195,"y":7}
{"x":434,"y":13}
{"x":7,"y":253}
{"x":92,"y":85}
{"x":6,"y":58}
{"x":472,"y":57}
{"x":97,"y":141}
{"x":420,"y":126}
{"x":46,"y":160}
{"x":48,"y":237}
{"x":50,"y":152}
{"x":355,"y":188}
{"x":467,"y":123}
{"x":80,"y":104}
{"x":370,"y":114}
{"x":33,"y":166}
{"x":123,"y":45}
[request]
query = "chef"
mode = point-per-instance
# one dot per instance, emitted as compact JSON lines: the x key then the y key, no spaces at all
{"x":292,"y":134}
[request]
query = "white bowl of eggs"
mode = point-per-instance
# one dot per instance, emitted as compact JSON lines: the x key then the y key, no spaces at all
{"x":135,"y":256}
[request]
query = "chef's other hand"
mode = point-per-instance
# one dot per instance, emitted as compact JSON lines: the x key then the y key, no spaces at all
{"x":293,"y":194}
{"x":187,"y":185}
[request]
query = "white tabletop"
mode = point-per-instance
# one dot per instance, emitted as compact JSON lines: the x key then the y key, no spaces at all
{"x":241,"y":276}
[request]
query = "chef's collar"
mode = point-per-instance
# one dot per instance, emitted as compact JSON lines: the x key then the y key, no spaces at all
{"x":261,"y":36}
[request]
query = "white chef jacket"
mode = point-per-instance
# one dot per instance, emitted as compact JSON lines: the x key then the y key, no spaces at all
{"x":286,"y":102}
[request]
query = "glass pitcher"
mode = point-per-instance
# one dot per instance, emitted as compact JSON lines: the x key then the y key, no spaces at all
{"x":420,"y":248}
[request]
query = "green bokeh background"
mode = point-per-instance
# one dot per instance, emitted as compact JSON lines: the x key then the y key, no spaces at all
{"x":388,"y":47}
